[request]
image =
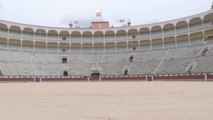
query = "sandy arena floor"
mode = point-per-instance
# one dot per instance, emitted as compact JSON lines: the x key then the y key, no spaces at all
{"x":107,"y":101}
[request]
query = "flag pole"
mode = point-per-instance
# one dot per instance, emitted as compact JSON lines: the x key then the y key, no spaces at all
{"x":101,"y":17}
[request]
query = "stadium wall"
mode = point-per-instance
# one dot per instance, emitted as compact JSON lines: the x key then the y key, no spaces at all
{"x":180,"y":46}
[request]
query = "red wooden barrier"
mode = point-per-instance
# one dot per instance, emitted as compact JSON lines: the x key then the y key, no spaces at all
{"x":165,"y":77}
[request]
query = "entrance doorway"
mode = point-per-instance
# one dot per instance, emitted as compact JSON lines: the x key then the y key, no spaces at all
{"x":65,"y":73}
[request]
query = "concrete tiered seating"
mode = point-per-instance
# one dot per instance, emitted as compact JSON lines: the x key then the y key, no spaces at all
{"x":161,"y":61}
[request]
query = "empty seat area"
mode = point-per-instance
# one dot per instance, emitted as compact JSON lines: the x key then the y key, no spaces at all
{"x":163,"y":61}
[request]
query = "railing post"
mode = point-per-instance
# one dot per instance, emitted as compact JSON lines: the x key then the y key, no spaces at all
{"x":88,"y":79}
{"x":152,"y":78}
{"x":206,"y":77}
{"x":100,"y":79}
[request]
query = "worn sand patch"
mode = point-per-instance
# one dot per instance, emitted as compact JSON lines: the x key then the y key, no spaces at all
{"x":107,"y":101}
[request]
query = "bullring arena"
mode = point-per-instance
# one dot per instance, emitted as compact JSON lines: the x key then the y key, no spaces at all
{"x":158,"y":71}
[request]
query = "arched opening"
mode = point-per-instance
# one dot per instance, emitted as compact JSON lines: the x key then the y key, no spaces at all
{"x":52,"y":35}
{"x":169,"y":42}
{"x":131,"y":58}
{"x":64,"y":35}
{"x":144,"y":33}
{"x":195,"y":24}
{"x":76,"y":36}
{"x":40,"y":46}
{"x":95,"y":73}
{"x":110,"y":36}
{"x":208,"y":20}
{"x":27,"y":45}
{"x":132,"y":34}
{"x":87,"y":36}
{"x":145,"y":44}
{"x":28,"y":34}
{"x":110,"y":47}
{"x":132,"y":45}
{"x":126,"y":70}
{"x":76,"y":47}
{"x":183,"y":40}
{"x":15,"y":32}
{"x":40,"y":34}
{"x":99,"y":47}
{"x":121,"y":35}
{"x":14,"y":44}
{"x":3,"y":29}
{"x":65,"y":73}
{"x":156,"y":31}
{"x":208,"y":35}
{"x":64,"y":60}
{"x":181,"y":27}
{"x":98,"y":36}
{"x":168,"y":29}
{"x":157,"y":43}
{"x":196,"y":38}
{"x":121,"y":46}
{"x":52,"y":46}
{"x":63,"y":46}
{"x":95,"y":70}
{"x":87,"y":47}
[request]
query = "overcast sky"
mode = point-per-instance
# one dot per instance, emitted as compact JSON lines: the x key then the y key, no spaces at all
{"x":58,"y":13}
